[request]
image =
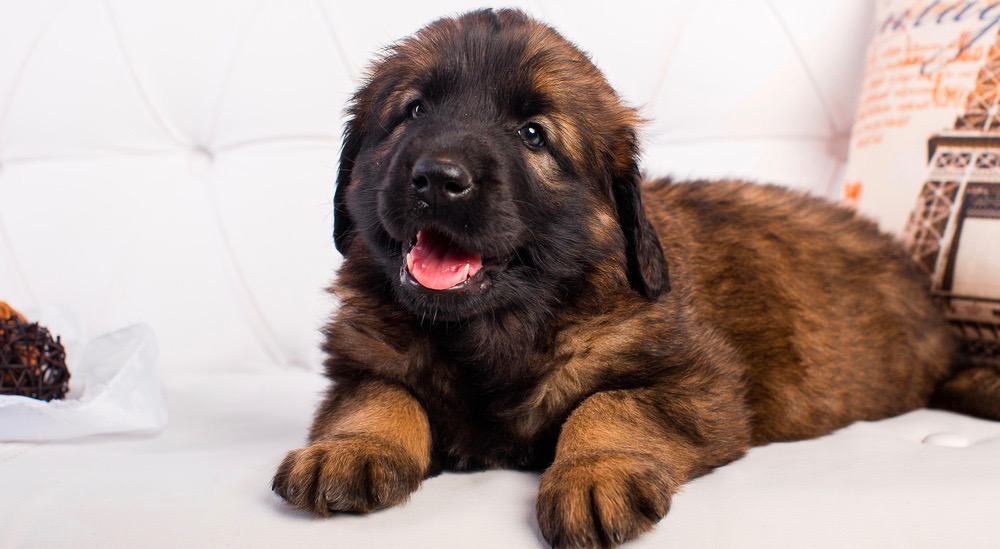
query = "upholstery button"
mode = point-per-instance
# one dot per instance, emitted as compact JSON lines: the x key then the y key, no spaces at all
{"x":837,"y":147}
{"x":949,"y":440}
{"x":200,"y":160}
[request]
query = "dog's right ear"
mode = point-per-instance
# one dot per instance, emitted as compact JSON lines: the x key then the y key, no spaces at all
{"x":343,"y":225}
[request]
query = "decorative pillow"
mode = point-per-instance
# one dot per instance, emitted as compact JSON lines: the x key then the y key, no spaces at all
{"x":925,"y":152}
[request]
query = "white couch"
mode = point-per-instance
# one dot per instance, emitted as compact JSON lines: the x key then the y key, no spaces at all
{"x":172,"y":162}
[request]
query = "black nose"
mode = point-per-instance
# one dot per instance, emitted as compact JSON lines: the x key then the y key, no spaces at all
{"x":442,"y":177}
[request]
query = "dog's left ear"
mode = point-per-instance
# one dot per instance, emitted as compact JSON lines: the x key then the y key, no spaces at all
{"x":647,"y":267}
{"x":343,"y":225}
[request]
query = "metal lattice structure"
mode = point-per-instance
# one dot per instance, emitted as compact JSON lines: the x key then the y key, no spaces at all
{"x":963,"y":184}
{"x":981,"y":106}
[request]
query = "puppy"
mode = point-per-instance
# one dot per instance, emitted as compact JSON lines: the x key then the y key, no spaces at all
{"x":514,"y":295}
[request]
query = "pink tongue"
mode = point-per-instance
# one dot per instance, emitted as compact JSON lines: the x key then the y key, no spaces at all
{"x":438,"y":265}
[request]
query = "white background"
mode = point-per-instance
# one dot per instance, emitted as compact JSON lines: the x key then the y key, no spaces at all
{"x":173,"y":161}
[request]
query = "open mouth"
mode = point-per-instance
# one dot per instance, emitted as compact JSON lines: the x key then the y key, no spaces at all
{"x":435,"y":262}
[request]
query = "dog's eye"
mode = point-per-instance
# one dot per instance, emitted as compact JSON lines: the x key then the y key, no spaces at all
{"x":416,"y":109}
{"x":533,"y":135}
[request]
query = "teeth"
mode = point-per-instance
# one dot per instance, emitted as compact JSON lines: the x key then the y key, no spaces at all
{"x":409,"y":261}
{"x":465,"y":276}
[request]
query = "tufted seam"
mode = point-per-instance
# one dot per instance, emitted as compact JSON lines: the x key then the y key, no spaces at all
{"x":16,"y":263}
{"x":661,"y":77}
{"x":173,"y":133}
{"x":228,"y":75}
{"x":95,"y":154}
{"x":113,"y":152}
{"x":833,"y":180}
{"x":337,"y":45}
{"x":303,"y":139}
{"x":817,"y":89}
{"x":266,"y":336}
{"x":5,"y":107}
{"x":680,"y":140}
{"x":21,"y":69}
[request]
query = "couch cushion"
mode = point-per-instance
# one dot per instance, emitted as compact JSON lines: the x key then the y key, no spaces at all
{"x":173,"y":162}
{"x":925,"y":479}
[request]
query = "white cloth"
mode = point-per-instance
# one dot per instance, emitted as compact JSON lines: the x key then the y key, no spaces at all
{"x":115,"y":388}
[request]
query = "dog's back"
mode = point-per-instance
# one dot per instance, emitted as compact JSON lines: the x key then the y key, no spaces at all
{"x":831,"y":319}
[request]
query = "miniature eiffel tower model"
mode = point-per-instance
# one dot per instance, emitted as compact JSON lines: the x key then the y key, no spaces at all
{"x":962,"y":189}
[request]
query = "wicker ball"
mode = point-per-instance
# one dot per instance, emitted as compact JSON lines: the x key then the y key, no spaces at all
{"x":32,"y":363}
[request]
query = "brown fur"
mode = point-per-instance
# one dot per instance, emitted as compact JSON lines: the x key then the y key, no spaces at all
{"x":784,"y":317}
{"x":974,"y":391}
{"x":369,"y":448}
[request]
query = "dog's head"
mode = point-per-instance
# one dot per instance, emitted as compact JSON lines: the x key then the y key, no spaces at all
{"x":487,"y":163}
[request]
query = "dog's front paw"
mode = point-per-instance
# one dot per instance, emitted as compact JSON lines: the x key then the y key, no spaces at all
{"x":350,"y":473}
{"x":602,"y":499}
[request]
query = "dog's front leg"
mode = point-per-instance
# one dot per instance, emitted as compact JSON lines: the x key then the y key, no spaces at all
{"x":369,"y":448}
{"x":622,"y":454}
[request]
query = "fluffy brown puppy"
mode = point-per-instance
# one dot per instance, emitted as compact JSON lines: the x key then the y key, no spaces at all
{"x":505,"y":298}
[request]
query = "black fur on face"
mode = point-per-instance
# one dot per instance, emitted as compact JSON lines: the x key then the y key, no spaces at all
{"x":492,"y":135}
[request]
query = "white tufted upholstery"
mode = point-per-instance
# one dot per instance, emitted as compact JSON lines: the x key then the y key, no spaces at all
{"x":172,"y":161}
